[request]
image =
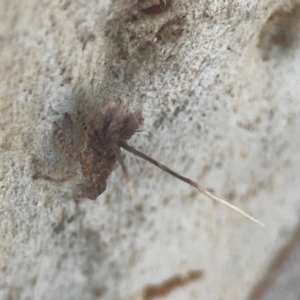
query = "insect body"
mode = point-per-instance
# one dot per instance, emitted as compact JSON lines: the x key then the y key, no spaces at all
{"x":107,"y":132}
{"x":105,"y":129}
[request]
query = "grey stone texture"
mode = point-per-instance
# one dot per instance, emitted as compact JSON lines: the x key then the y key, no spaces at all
{"x":219,"y":85}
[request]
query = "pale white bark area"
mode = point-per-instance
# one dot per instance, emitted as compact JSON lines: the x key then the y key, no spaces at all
{"x":216,"y":110}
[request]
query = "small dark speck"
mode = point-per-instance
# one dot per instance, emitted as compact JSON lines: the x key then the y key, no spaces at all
{"x":153,"y":209}
{"x":66,"y":5}
{"x":139,"y":208}
{"x":71,"y":219}
{"x":67,"y":80}
{"x":59,"y":227}
{"x":231,"y":195}
{"x":134,"y":18}
{"x":62,"y":71}
{"x":219,"y":165}
{"x":206,"y":15}
{"x":129,"y":223}
{"x":92,"y":37}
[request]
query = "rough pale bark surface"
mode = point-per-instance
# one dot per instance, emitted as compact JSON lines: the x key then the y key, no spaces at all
{"x":219,"y":85}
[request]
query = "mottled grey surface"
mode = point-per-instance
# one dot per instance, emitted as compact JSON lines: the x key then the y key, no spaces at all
{"x":219,"y":84}
{"x":286,"y":284}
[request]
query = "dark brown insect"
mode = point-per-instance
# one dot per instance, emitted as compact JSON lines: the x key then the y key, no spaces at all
{"x":107,"y":132}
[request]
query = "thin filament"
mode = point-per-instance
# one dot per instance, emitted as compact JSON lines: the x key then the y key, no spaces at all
{"x":187,"y":180}
{"x":117,"y":151}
